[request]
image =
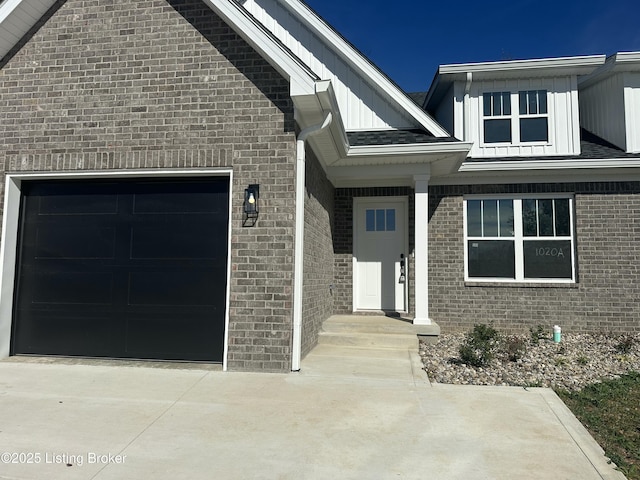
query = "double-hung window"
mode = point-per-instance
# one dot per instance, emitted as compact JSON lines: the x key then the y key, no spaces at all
{"x":529,"y":123}
{"x":521,"y":239}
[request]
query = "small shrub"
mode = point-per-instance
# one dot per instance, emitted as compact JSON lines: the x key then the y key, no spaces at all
{"x":560,"y":362}
{"x":625,"y":344}
{"x":582,"y":360}
{"x":515,"y":348}
{"x":479,"y":345}
{"x":537,"y":333}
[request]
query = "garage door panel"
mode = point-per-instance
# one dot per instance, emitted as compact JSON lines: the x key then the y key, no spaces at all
{"x":175,"y":240}
{"x":133,"y":269}
{"x":63,"y":287}
{"x":75,"y":242}
{"x":200,"y":287}
{"x":173,"y":337}
{"x":66,"y":333}
{"x":77,"y":204}
{"x":194,"y":199}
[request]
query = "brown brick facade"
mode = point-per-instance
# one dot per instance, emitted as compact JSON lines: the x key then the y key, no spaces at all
{"x":318,"y":253}
{"x":607,"y":222}
{"x":160,"y":84}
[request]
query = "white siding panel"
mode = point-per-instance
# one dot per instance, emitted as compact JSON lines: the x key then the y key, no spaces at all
{"x":361,"y":107}
{"x":601,"y":110}
{"x":632,"y":110}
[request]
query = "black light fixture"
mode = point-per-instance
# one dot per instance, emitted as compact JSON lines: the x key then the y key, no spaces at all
{"x":250,"y":205}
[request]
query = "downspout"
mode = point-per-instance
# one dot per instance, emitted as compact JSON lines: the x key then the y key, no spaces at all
{"x":298,"y":258}
{"x":467,"y":107}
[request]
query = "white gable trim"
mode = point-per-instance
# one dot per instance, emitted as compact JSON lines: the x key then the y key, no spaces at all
{"x":384,"y":85}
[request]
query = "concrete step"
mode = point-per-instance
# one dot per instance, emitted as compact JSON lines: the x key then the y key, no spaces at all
{"x":369,"y":340}
{"x":366,"y":331}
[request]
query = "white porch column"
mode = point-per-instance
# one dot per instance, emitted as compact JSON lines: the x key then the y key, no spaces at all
{"x":421,"y":250}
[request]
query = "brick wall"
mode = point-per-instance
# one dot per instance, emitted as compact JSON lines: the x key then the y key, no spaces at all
{"x":318,"y":253}
{"x":605,"y":297}
{"x":106,"y":85}
{"x":343,"y":241}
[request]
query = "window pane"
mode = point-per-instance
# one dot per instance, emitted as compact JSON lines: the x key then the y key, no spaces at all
{"x":474,"y":218}
{"x":391,"y":220}
{"x":529,"y":218}
{"x":533,"y":102}
{"x":506,"y":103}
{"x":496,"y":131}
{"x":542,"y":101}
{"x":491,"y":258}
{"x":545,"y":218}
{"x":380,"y":220}
{"x":490,"y":218}
{"x":370,"y":220}
{"x":523,"y":103}
{"x":547,"y":259}
{"x":486,"y":99}
{"x":506,"y":218}
{"x":497,"y":104}
{"x":534,"y":130}
{"x":562,"y":217}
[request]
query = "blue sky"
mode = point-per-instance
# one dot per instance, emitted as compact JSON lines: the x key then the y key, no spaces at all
{"x":412,"y":37}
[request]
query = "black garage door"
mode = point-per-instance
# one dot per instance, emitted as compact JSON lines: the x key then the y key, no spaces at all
{"x":126,"y":269}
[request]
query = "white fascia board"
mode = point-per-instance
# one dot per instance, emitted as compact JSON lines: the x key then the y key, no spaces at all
{"x":573,"y":64}
{"x":410,"y":149}
{"x":567,"y":164}
{"x":384,"y":85}
{"x":539,"y":176}
{"x":301,"y":79}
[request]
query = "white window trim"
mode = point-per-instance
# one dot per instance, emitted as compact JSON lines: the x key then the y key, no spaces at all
{"x":515,"y":117}
{"x":519,"y":238}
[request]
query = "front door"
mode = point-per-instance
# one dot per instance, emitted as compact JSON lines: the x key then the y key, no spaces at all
{"x":380,"y":248}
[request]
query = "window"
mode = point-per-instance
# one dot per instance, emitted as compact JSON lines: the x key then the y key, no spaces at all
{"x":533,"y":116}
{"x":497,"y":113}
{"x":520,"y":239}
{"x":528,"y":124}
{"x":380,"y":220}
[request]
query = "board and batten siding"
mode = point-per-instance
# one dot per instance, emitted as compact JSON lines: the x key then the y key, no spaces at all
{"x":361,"y":107}
{"x":602,"y":107}
{"x":632,"y":110}
{"x":564,"y":131}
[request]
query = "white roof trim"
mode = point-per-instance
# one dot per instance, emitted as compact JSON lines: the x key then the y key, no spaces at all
{"x":567,"y":164}
{"x":385,"y":86}
{"x":589,"y":61}
{"x":410,"y":149}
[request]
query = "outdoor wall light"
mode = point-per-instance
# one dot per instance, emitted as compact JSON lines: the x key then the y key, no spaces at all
{"x":250,"y":205}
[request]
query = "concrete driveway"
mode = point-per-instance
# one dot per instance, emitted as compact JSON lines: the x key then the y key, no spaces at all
{"x":361,"y":414}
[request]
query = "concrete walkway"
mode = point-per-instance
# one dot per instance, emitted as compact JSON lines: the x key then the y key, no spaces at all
{"x":349,"y":414}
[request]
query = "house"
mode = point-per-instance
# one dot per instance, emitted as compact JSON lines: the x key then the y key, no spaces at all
{"x":209,"y":180}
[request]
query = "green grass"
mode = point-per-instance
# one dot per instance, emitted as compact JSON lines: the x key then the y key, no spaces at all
{"x":611,"y":412}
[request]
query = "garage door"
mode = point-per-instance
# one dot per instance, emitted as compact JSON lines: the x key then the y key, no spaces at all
{"x":127,"y":269}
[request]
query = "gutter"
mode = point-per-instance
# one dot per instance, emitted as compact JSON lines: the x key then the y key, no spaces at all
{"x":298,"y":259}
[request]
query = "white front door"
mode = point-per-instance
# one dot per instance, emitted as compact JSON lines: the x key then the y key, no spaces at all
{"x":380,"y":248}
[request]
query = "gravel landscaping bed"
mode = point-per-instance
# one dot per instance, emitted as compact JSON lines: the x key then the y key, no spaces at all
{"x":578,"y":360}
